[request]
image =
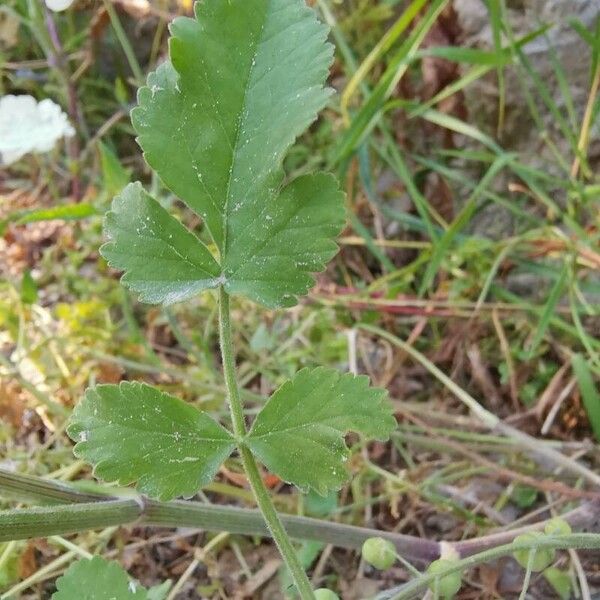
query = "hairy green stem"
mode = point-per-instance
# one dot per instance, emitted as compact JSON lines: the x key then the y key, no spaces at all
{"x":263,"y":499}
{"x":85,"y":511}
{"x":528,"y":571}
{"x":44,"y":521}
{"x":31,"y":522}
{"x":228,"y":358}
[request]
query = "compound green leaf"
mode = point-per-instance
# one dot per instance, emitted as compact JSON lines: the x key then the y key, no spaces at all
{"x":162,"y":260}
{"x":245,"y":78}
{"x":97,"y":579}
{"x":134,"y":432}
{"x":299,"y":434}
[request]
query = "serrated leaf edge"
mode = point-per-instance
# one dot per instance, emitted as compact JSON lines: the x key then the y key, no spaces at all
{"x":73,"y":432}
{"x":382,"y":400}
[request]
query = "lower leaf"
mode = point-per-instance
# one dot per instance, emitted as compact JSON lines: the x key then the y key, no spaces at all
{"x":299,"y":434}
{"x":134,"y":432}
{"x":97,"y":579}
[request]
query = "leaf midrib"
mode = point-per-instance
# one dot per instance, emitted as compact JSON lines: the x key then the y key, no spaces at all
{"x":190,"y":435}
{"x":310,"y":424}
{"x":239,"y":128}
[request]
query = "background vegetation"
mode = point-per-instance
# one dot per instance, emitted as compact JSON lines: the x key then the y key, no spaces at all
{"x":468,"y":252}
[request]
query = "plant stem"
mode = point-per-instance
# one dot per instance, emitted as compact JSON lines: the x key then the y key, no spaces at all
{"x":263,"y":499}
{"x":528,"y":571}
{"x":56,"y":58}
{"x":228,"y":358}
{"x":92,"y":511}
{"x":62,"y":519}
{"x":44,"y":521}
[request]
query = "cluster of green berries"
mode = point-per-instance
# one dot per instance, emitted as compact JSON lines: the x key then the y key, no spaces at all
{"x":543,"y":557}
{"x":381,"y":554}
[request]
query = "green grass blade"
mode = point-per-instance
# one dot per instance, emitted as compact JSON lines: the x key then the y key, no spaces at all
{"x":381,"y":48}
{"x":589,"y":392}
{"x":441,"y":248}
{"x":67,"y":212}
{"x":545,"y":95}
{"x":495,"y":9}
{"x":592,"y":39}
{"x":483,"y":62}
{"x":471,"y":56}
{"x":457,"y":176}
{"x":563,"y":84}
{"x":367,"y":117}
{"x":460,"y":127}
{"x":365,"y":177}
{"x":549,"y":310}
{"x":469,"y":77}
{"x":394,"y":158}
{"x":556,"y":320}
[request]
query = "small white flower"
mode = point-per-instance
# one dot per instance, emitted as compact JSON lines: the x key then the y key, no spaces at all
{"x":59,"y":5}
{"x":27,"y":125}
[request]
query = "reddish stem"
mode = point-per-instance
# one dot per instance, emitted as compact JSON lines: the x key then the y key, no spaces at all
{"x":57,"y":60}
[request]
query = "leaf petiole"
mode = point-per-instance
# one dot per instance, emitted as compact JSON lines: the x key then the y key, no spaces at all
{"x":263,"y":500}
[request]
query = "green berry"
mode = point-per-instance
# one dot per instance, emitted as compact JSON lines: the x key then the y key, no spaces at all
{"x":379,"y":552}
{"x":325,"y":594}
{"x":557,"y":526}
{"x":543,"y":556}
{"x":448,"y":585}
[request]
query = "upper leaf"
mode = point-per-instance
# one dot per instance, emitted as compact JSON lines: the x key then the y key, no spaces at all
{"x":134,"y":432}
{"x":162,"y":260}
{"x":97,"y":579}
{"x":245,"y":78}
{"x":299,"y":434}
